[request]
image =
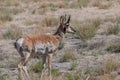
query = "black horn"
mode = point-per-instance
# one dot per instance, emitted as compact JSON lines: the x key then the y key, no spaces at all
{"x":68,"y":19}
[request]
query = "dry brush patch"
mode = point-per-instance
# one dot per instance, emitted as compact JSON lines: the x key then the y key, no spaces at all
{"x":114,"y":46}
{"x":102,"y":70}
{"x":109,"y":66}
{"x":9,"y":2}
{"x":48,"y":22}
{"x":110,"y":26}
{"x":6,"y":13}
{"x":86,"y":30}
{"x":29,"y":22}
{"x":112,"y":29}
{"x":39,"y":30}
{"x":101,"y":4}
{"x":12,"y":33}
{"x":67,"y":56}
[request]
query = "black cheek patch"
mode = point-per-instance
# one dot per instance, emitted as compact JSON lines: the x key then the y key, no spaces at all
{"x":64,"y":30}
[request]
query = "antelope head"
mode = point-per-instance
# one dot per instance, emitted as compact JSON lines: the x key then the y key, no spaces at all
{"x":64,"y":26}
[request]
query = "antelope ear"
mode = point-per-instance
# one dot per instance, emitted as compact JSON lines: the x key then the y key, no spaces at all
{"x":68,"y":19}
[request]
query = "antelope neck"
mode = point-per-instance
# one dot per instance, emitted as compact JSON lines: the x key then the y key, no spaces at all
{"x":59,"y":34}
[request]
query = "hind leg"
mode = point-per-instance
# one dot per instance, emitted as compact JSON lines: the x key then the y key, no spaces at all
{"x":27,"y":58}
{"x":22,"y":66}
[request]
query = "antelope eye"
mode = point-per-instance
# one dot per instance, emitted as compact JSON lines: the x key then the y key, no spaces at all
{"x":67,"y":24}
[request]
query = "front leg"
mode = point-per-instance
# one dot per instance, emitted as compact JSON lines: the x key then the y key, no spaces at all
{"x":43,"y":64}
{"x":49,"y":64}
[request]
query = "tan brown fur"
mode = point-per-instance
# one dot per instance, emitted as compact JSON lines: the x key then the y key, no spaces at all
{"x":32,"y":39}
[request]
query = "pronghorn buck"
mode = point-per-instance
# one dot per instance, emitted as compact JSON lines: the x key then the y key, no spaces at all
{"x":45,"y":45}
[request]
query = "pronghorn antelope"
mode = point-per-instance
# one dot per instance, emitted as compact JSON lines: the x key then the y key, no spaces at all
{"x":45,"y":45}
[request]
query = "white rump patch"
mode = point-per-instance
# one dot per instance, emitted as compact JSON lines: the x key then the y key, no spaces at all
{"x":20,"y":41}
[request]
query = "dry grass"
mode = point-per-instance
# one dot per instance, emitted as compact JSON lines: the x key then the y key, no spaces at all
{"x":114,"y":46}
{"x":49,"y":22}
{"x":112,"y":26}
{"x":12,"y":33}
{"x":78,"y":4}
{"x":47,"y":7}
{"x":68,"y":56}
{"x":9,"y":2}
{"x":105,"y":77}
{"x":83,"y":3}
{"x":39,"y":30}
{"x":112,"y":29}
{"x":100,"y":72}
{"x":118,"y":1}
{"x":87,"y":30}
{"x":109,"y":66}
{"x":29,"y":22}
{"x":7,"y":13}
{"x":102,"y":4}
{"x":53,"y":5}
{"x":40,"y":11}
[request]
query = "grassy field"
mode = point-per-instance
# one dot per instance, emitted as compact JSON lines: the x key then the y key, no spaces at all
{"x":93,"y":53}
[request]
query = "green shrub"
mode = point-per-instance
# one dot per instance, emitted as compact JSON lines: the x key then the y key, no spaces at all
{"x":73,"y":65}
{"x":55,"y":72}
{"x":69,"y":76}
{"x":4,"y":77}
{"x":37,"y":67}
{"x":61,"y":46}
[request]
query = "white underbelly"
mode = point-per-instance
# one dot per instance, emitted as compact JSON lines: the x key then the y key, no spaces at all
{"x":44,"y":48}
